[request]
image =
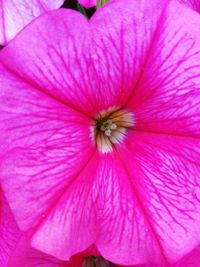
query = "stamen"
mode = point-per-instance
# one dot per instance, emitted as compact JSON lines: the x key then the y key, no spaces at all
{"x":110,"y":128}
{"x":113,"y":126}
{"x":108,"y":132}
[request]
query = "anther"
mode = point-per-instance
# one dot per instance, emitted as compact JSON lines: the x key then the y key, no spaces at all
{"x":110,"y":128}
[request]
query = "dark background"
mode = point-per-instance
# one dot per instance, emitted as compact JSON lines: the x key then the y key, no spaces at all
{"x":73,"y":4}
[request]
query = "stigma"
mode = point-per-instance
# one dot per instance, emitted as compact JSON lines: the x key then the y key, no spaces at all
{"x":109,"y":128}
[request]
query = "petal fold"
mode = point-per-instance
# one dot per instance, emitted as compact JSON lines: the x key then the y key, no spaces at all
{"x":9,"y":232}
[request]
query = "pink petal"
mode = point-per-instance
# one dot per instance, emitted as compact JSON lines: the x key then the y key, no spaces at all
{"x":164,"y":173}
{"x":167,"y":98}
{"x":120,"y":51}
{"x":123,"y":226}
{"x":53,"y":148}
{"x":26,"y":256}
{"x":57,"y":68}
{"x":9,"y":232}
{"x":87,"y":3}
{"x":16,"y":14}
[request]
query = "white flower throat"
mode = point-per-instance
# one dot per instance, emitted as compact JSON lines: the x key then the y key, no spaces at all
{"x":109,"y":128}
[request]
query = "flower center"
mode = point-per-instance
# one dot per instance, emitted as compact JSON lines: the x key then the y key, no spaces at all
{"x":109,"y":128}
{"x":93,"y":261}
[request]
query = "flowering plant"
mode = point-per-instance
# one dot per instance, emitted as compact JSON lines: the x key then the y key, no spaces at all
{"x":99,"y":136}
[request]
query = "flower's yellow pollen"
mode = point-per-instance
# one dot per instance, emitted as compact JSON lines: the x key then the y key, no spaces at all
{"x":109,"y":128}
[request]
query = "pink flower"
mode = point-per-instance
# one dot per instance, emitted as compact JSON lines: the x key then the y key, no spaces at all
{"x":9,"y":232}
{"x":16,"y":14}
{"x":87,"y":3}
{"x":100,"y":131}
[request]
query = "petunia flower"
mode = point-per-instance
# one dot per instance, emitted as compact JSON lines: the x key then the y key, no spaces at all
{"x":16,"y":14}
{"x":100,"y":131}
{"x":195,"y":4}
{"x":9,"y":232}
